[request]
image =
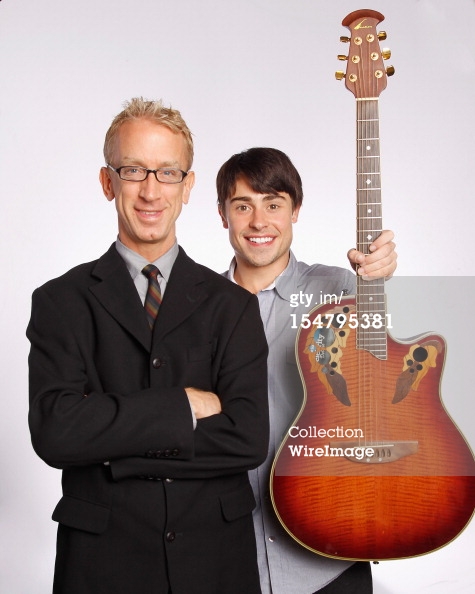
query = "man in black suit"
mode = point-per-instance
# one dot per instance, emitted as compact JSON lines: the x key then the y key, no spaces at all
{"x":154,"y":423}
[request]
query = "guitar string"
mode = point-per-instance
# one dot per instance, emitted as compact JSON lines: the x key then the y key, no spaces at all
{"x":370,"y":368}
{"x":368,"y":170}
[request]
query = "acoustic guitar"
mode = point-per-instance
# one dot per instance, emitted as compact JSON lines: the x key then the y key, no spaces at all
{"x":373,"y":467}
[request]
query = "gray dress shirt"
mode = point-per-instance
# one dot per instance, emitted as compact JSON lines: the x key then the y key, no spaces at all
{"x":135,"y":263}
{"x":285,"y":566}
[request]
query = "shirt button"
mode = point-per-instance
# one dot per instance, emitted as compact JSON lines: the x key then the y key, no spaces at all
{"x":170,"y":536}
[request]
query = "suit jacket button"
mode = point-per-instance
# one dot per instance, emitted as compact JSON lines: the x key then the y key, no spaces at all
{"x":171,"y":536}
{"x":175,"y":452}
{"x":156,"y":363}
{"x":169,"y":480}
{"x":166,"y":453}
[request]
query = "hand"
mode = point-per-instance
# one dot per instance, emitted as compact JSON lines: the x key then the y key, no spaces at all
{"x":381,"y":262}
{"x":204,"y":404}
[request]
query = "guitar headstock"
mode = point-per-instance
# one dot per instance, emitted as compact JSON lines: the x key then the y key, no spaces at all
{"x":366,"y":75}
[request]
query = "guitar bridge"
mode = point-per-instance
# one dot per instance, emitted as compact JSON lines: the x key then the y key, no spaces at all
{"x":373,"y":452}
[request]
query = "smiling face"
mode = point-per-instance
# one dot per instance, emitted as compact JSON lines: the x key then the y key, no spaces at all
{"x":260,"y":231}
{"x":147,"y":210}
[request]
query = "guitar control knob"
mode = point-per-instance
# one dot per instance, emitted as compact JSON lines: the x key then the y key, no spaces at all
{"x":382,"y":35}
{"x":342,"y":57}
{"x":390,"y":70}
{"x":386,"y":53}
{"x":339,"y":75}
{"x":344,"y":39}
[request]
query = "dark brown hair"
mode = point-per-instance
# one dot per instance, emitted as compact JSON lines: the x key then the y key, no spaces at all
{"x":264,"y":169}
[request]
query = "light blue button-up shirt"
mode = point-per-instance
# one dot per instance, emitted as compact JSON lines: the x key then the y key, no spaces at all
{"x":285,"y":566}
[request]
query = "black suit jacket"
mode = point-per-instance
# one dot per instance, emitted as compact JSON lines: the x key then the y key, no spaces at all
{"x":147,"y":499}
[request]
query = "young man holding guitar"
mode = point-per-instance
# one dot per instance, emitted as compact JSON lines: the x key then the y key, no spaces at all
{"x":401,"y":483}
{"x":259,"y":197}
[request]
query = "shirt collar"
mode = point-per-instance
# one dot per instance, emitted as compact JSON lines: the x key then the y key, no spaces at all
{"x":135,"y":262}
{"x":282,"y":284}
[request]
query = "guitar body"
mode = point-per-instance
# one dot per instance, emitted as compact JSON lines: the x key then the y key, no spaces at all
{"x":373,"y":467}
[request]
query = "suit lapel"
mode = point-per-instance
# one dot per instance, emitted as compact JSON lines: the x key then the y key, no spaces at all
{"x":186,"y":290}
{"x":118,"y":295}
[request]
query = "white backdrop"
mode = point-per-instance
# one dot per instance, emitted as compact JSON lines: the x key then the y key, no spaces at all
{"x":244,"y":73}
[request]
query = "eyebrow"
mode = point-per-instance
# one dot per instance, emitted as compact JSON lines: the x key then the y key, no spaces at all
{"x":267,"y":197}
{"x":140,"y":163}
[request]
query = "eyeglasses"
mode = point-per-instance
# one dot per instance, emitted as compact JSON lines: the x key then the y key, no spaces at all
{"x":164,"y":175}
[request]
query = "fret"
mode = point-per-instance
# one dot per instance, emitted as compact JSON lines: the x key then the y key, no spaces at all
{"x":370,"y":297}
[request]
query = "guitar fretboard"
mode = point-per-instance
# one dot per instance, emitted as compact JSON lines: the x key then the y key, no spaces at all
{"x":370,"y":295}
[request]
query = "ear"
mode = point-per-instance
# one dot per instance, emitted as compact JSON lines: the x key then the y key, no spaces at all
{"x":106,"y":183}
{"x":295,"y":214}
{"x":188,"y":184}
{"x":223,"y":218}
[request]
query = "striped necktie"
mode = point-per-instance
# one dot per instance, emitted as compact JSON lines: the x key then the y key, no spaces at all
{"x":153,"y":298}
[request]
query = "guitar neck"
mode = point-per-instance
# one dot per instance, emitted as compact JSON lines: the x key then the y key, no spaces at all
{"x":370,"y":296}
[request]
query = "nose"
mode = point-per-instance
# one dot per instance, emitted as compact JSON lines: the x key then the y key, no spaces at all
{"x":150,"y":187}
{"x":258,"y":219}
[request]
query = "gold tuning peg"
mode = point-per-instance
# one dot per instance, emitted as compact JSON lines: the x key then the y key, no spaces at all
{"x":386,"y":53}
{"x":382,"y":35}
{"x":342,"y":57}
{"x":344,"y":39}
{"x":390,"y":70}
{"x":339,"y":75}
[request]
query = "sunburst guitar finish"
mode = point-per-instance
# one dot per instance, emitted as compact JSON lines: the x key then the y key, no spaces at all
{"x":373,"y":468}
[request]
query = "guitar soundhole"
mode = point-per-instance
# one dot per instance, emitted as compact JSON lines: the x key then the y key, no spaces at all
{"x":420,"y":354}
{"x":336,"y":323}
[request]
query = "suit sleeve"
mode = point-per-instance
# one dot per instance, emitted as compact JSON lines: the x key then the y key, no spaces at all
{"x":72,"y":422}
